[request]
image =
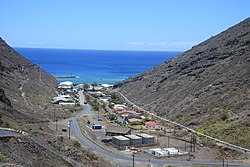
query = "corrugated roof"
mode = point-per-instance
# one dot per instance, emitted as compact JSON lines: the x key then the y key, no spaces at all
{"x":120,"y":137}
{"x":117,"y":129}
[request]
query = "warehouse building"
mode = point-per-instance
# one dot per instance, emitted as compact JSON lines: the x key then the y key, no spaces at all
{"x":120,"y":141}
{"x":134,"y":140}
{"x":117,"y":130}
{"x":147,"y":139}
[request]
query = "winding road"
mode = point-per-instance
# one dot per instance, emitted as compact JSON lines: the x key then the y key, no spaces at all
{"x":8,"y":133}
{"x":120,"y":159}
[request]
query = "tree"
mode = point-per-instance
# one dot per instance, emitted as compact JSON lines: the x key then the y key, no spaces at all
{"x":94,"y":84}
{"x":85,"y":86}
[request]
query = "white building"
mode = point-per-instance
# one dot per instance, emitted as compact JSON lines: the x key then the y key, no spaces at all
{"x":163,"y":152}
{"x":65,"y":85}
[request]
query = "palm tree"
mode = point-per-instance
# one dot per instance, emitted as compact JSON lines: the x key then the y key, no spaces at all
{"x":94,"y":85}
{"x":85,"y":86}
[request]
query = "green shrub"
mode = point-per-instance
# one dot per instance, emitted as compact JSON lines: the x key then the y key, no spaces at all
{"x":3,"y":158}
{"x":76,"y":144}
{"x":92,"y":156}
{"x":224,"y":116}
{"x":60,"y":138}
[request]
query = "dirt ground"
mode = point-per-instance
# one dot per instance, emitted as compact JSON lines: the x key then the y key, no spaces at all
{"x":203,"y":152}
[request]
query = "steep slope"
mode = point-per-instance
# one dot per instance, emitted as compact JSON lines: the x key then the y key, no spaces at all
{"x":25,"y":90}
{"x":24,"y":87}
{"x":207,"y":87}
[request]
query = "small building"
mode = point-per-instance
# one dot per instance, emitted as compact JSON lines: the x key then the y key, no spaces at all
{"x":117,"y":130}
{"x":153,"y":125}
{"x":96,"y":126}
{"x":119,"y":106}
{"x":134,"y":140}
{"x":171,"y":151}
{"x":158,"y":152}
{"x":120,"y":141}
{"x":147,"y":139}
{"x":134,"y":121}
{"x":65,"y":85}
{"x":124,"y":113}
{"x":169,"y":130}
{"x":163,"y":152}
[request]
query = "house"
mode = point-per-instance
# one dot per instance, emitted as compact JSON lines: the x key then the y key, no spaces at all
{"x":65,"y":85}
{"x":134,"y":121}
{"x":119,"y":106}
{"x":129,"y":117}
{"x":117,"y":130}
{"x":151,"y":125}
{"x":99,"y":93}
{"x":158,"y":152}
{"x":105,"y":98}
{"x":107,"y":85}
{"x":124,"y":113}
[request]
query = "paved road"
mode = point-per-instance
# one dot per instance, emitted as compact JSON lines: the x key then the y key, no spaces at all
{"x":120,"y":159}
{"x":7,"y":133}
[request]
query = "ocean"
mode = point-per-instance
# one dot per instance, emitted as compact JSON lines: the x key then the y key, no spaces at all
{"x":89,"y":66}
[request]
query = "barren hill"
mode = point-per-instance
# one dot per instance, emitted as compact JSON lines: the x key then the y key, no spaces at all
{"x":206,"y":87}
{"x":24,"y":87}
{"x":25,"y":93}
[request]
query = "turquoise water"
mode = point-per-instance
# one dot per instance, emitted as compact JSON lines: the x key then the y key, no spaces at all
{"x":101,"y":66}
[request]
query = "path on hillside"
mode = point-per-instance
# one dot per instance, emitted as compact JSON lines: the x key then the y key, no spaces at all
{"x":185,"y":127}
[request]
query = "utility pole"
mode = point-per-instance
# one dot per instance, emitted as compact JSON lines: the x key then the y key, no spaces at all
{"x":56,"y":125}
{"x":133,"y":159}
{"x":191,"y":145}
{"x":194,"y":141}
{"x":185,"y":143}
{"x":54,"y":115}
{"x":98,"y":111}
{"x":168,"y":141}
{"x":69,"y":124}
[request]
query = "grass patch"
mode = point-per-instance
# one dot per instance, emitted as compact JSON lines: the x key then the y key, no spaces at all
{"x":139,"y":127}
{"x":3,"y":158}
{"x":76,"y":144}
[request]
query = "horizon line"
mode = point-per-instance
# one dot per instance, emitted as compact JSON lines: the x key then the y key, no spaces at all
{"x":25,"y":47}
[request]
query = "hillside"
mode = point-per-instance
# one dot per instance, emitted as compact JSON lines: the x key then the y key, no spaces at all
{"x":24,"y":87}
{"x":25,"y":93}
{"x":206,"y":87}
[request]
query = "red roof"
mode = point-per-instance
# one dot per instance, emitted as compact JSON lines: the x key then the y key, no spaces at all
{"x":151,"y":123}
{"x":123,"y":112}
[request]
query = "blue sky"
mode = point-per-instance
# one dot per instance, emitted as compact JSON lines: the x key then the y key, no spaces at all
{"x":117,"y":24}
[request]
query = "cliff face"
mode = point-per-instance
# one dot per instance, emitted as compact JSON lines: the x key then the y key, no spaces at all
{"x":207,"y":87}
{"x":24,"y":87}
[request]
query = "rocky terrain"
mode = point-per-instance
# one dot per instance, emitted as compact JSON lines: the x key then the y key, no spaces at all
{"x":24,"y":87}
{"x":206,"y":87}
{"x":25,"y":94}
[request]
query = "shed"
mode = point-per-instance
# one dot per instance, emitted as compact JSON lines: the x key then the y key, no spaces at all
{"x":134,"y":140}
{"x":147,"y":139}
{"x":96,"y":126}
{"x":117,"y":130}
{"x":120,"y":141}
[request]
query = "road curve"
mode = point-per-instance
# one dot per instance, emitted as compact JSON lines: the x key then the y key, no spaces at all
{"x":124,"y":159}
{"x":7,"y":133}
